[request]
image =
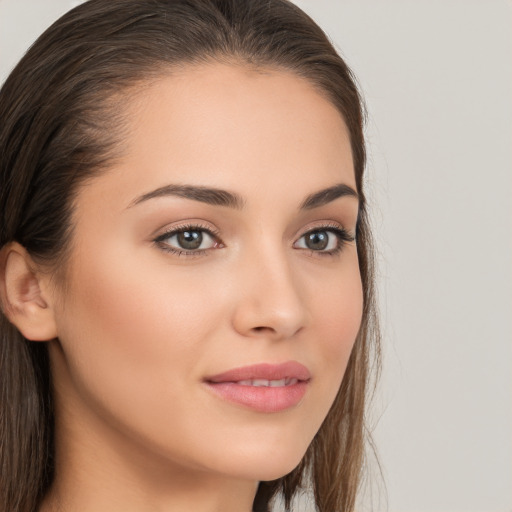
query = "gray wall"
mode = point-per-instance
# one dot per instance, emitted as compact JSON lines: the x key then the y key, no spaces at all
{"x":437,"y":76}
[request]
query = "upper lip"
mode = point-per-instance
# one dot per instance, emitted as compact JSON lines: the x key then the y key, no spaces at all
{"x":266,"y":371}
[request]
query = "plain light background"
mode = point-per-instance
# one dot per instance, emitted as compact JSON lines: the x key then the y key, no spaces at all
{"x":437,"y":78}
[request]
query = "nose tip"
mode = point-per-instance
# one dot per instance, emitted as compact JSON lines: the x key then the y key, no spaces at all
{"x":270,"y":306}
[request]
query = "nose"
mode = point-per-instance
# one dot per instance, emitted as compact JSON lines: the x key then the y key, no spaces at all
{"x":270,"y":303}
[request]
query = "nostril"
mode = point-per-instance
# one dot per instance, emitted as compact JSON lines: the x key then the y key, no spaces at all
{"x":259,"y":329}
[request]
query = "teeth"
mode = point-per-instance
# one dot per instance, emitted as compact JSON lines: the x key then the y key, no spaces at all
{"x":261,"y":382}
{"x":268,"y":383}
{"x":277,"y":383}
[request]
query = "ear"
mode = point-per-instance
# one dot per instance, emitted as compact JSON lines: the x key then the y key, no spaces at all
{"x":22,"y":294}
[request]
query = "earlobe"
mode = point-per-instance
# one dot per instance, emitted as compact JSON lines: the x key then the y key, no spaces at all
{"x":22,"y":296}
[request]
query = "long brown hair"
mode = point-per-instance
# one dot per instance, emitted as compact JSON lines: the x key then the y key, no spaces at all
{"x":61,"y":123}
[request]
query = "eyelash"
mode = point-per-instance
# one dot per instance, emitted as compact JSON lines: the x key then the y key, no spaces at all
{"x":341,"y":234}
{"x":184,"y":252}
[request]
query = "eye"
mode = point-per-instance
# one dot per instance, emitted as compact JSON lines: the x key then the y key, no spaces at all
{"x":318,"y":241}
{"x":187,"y":240}
{"x":324,"y":240}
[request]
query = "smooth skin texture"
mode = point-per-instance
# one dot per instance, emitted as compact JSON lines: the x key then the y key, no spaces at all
{"x":140,"y":328}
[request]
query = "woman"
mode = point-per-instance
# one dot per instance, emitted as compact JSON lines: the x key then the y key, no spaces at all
{"x":186,"y":262}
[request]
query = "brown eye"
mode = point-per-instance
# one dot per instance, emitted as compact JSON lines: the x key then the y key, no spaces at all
{"x":326,"y":241}
{"x":317,"y":240}
{"x":189,"y":240}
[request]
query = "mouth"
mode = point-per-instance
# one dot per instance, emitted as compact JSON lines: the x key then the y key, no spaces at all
{"x":266,"y":388}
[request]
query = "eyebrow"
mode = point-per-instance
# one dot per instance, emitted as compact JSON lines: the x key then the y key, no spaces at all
{"x":213,"y":196}
{"x":328,"y":195}
{"x":219,"y":197}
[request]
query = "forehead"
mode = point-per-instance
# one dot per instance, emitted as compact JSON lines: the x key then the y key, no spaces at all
{"x":232,"y":127}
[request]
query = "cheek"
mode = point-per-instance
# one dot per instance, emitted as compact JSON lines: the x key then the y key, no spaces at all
{"x":337,"y":311}
{"x":139,"y":307}
{"x":135,"y":337}
{"x":337,"y":307}
{"x":131,"y":328}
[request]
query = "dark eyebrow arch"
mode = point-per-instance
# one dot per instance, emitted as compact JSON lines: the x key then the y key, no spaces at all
{"x":219,"y":197}
{"x":327,"y":195}
{"x":213,"y":196}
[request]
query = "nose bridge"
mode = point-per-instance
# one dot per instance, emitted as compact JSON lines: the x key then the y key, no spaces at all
{"x":270,"y":300}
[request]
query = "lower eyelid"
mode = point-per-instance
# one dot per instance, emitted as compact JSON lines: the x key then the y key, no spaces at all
{"x":184,"y":252}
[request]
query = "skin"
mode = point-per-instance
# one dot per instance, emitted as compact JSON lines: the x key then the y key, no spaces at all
{"x":140,"y":328}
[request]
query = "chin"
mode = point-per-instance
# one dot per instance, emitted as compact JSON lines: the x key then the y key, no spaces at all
{"x":265,"y":464}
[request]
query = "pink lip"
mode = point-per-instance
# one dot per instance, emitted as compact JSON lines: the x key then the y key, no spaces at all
{"x":262,"y":398}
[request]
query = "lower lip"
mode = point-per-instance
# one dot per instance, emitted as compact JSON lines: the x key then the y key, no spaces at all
{"x":261,"y":398}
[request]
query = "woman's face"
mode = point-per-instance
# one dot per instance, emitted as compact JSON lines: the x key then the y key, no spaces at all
{"x":213,"y":293}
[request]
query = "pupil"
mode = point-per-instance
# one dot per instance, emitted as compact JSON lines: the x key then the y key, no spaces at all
{"x":190,"y":239}
{"x":317,"y":240}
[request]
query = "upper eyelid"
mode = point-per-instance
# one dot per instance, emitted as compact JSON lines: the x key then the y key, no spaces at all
{"x":323,"y":225}
{"x":192,"y":226}
{"x":340,"y":232}
{"x":333,"y":228}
